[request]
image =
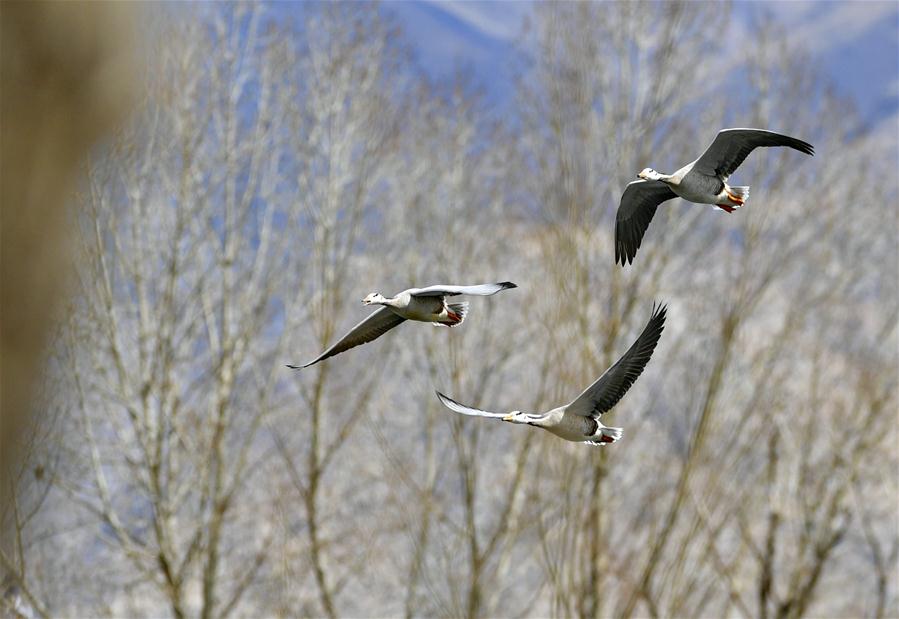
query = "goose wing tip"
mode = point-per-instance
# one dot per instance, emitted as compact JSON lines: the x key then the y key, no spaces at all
{"x":802,"y":146}
{"x":659,"y":310}
{"x":623,"y":256}
{"x":304,"y":366}
{"x":442,"y":396}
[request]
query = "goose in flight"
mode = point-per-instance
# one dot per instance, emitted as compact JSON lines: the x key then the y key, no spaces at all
{"x":422,"y":304}
{"x":579,"y":420}
{"x":704,"y":181}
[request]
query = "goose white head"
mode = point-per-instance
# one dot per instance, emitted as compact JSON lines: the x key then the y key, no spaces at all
{"x":648,"y":174}
{"x":373,"y":298}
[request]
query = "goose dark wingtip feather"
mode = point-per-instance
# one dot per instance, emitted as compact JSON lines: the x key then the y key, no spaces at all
{"x":304,"y":366}
{"x":656,"y":321}
{"x":801,"y":145}
{"x":625,"y":247}
{"x":659,"y":308}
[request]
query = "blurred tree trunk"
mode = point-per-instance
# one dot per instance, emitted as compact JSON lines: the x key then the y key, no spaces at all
{"x":66,"y":82}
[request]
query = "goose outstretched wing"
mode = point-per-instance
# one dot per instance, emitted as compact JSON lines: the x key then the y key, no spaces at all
{"x":373,"y":327}
{"x":637,"y":208}
{"x":731,"y":147}
{"x":614,"y":383}
{"x":466,"y":410}
{"x":441,"y":290}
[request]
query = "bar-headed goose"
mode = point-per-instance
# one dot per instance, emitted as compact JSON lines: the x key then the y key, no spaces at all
{"x":704,"y":181}
{"x":422,"y":304}
{"x":579,"y":420}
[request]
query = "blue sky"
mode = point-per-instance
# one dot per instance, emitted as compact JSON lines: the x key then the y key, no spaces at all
{"x":854,"y":44}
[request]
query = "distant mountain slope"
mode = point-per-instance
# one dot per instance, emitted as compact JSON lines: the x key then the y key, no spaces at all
{"x":856,"y":44}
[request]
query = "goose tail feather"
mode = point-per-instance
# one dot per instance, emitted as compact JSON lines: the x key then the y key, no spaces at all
{"x":456,"y":313}
{"x":606,"y":435}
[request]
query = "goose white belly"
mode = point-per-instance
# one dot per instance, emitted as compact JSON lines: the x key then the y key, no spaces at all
{"x":572,"y":427}
{"x":424,"y":309}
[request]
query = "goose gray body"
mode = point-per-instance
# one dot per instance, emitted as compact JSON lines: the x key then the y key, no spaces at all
{"x":703,"y":181}
{"x":419,"y":304}
{"x":579,"y":420}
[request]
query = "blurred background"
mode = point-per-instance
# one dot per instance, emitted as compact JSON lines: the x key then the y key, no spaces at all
{"x":196,"y":194}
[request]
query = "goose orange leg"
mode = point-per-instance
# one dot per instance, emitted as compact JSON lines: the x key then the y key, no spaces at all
{"x":733,"y":198}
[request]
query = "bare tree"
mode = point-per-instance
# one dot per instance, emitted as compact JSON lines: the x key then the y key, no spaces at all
{"x":166,"y":349}
{"x":60,"y":62}
{"x":604,"y":94}
{"x":346,"y":125}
